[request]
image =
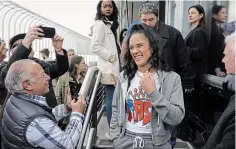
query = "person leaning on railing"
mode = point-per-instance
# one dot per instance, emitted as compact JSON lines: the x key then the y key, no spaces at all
{"x":223,"y":135}
{"x":28,"y":122}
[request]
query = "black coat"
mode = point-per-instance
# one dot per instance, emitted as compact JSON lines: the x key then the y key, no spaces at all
{"x":223,"y":135}
{"x":196,"y":43}
{"x":216,"y":49}
{"x":53,"y":69}
{"x":176,"y":54}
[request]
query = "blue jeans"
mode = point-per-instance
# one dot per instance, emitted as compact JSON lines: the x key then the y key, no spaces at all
{"x":109,"y":89}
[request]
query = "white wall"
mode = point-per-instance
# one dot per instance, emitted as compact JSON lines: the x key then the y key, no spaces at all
{"x":231,"y":11}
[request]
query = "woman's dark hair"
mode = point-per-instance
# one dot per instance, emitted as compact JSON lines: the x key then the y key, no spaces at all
{"x":113,"y":17}
{"x":156,"y":60}
{"x":200,"y":9}
{"x":72,"y":66}
{"x":121,"y":34}
{"x":214,"y":28}
{"x":215,"y":10}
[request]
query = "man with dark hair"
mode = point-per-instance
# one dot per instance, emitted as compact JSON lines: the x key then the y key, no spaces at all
{"x":45,"y":54}
{"x":173,"y":49}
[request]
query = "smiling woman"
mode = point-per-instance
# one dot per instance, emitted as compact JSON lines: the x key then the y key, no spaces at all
{"x":152,"y":93}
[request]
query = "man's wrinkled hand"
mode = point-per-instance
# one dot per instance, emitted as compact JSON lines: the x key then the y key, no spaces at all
{"x":188,"y":90}
{"x":219,"y":72}
{"x":2,"y":47}
{"x":79,"y":105}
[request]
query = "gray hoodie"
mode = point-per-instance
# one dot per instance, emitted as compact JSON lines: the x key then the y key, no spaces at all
{"x":167,"y":107}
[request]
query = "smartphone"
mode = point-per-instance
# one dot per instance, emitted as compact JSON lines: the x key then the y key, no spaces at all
{"x":74,"y":90}
{"x":48,"y":32}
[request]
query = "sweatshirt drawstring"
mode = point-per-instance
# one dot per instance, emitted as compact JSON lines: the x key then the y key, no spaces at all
{"x":138,"y":142}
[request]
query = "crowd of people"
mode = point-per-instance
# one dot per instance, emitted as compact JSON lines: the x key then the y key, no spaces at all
{"x":147,"y":74}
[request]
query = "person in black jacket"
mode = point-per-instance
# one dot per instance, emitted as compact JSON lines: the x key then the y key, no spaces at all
{"x":196,"y":43}
{"x":174,"y":49}
{"x":217,"y":41}
{"x":196,"y":40}
{"x":20,"y":47}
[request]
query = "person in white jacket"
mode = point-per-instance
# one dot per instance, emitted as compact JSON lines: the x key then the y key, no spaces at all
{"x":104,"y":44}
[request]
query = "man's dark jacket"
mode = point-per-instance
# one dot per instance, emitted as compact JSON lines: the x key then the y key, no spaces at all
{"x":176,"y":53}
{"x":223,"y":135}
{"x":53,"y":69}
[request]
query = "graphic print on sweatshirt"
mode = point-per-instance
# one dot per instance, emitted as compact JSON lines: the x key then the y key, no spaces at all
{"x":139,"y":107}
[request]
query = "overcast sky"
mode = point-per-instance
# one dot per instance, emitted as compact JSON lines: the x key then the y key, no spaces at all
{"x":77,"y":15}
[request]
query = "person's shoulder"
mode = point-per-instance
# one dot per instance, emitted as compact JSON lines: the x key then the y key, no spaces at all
{"x":171,"y":75}
{"x":99,"y":23}
{"x":42,"y":63}
{"x":173,"y":32}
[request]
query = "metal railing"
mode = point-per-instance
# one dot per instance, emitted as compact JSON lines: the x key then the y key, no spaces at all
{"x":213,"y":84}
{"x":94,"y":94}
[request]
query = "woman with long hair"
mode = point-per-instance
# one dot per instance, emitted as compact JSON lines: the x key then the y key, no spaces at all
{"x":148,"y":98}
{"x":196,"y":40}
{"x":104,"y":44}
{"x":73,"y":79}
{"x":217,"y":42}
{"x":197,"y":46}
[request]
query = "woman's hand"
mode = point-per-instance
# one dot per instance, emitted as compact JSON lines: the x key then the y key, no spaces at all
{"x":148,"y":83}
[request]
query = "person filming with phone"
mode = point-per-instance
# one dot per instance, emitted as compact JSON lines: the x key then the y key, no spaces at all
{"x":21,"y":48}
{"x":28,"y":122}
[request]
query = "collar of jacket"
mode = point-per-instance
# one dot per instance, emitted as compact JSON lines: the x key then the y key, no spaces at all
{"x":163,"y":30}
{"x":161,"y":76}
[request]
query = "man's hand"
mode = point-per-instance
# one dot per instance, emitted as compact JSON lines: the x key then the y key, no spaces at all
{"x":219,"y":73}
{"x":32,"y":34}
{"x":112,"y":59}
{"x":2,"y":47}
{"x":79,"y":105}
{"x":188,"y":90}
{"x":57,"y":42}
{"x":2,"y":51}
{"x":148,"y":83}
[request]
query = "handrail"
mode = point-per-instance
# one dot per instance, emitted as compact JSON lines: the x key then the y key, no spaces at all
{"x":214,"y":85}
{"x":84,"y":91}
{"x":88,"y":78}
{"x":212,"y":80}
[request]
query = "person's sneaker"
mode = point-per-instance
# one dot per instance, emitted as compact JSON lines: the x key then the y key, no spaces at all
{"x":107,"y":136}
